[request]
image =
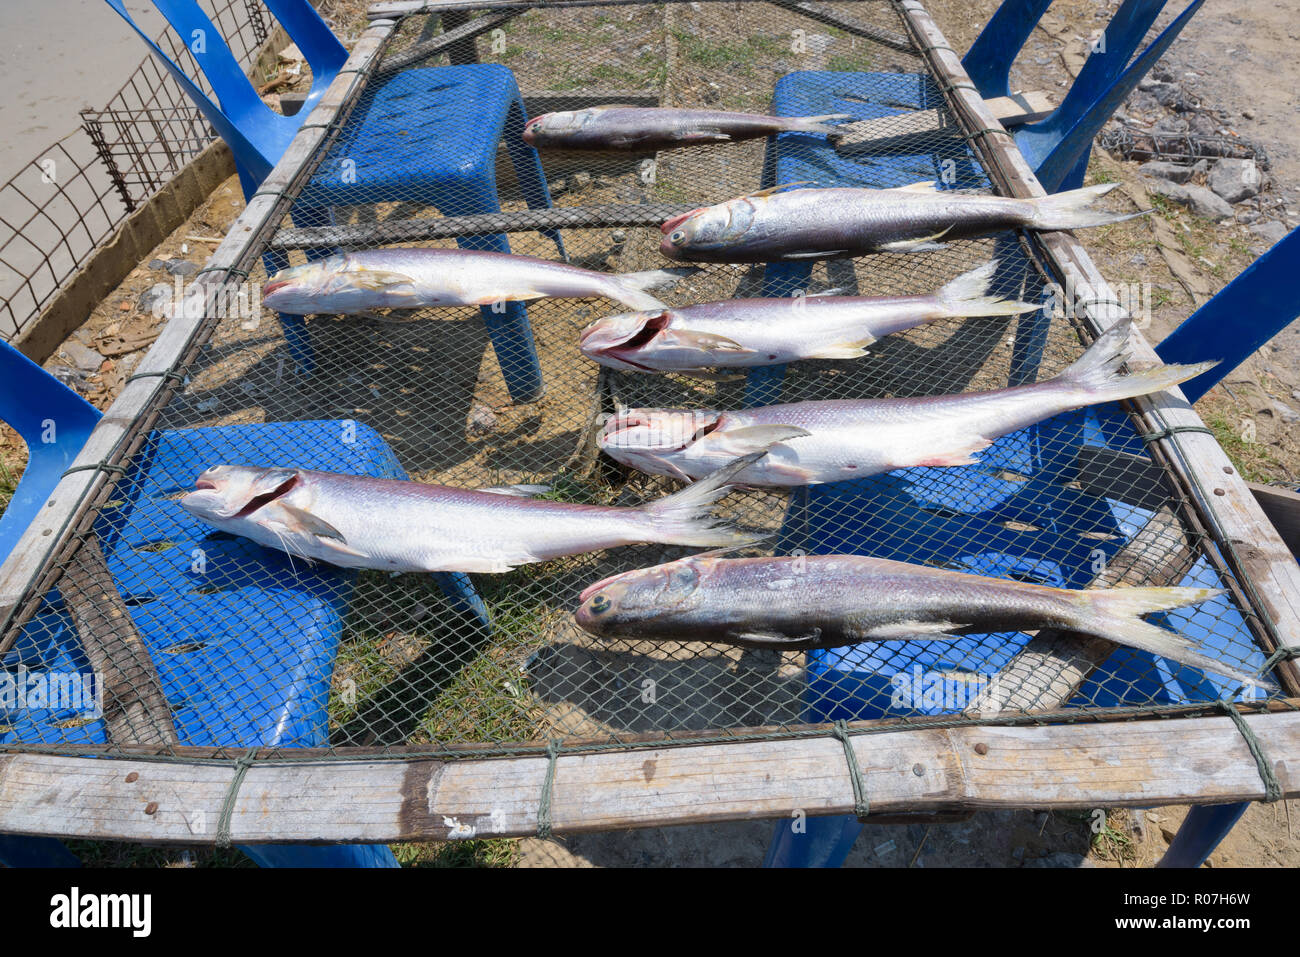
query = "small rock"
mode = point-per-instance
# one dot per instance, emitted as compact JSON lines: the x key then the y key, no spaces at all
{"x":1206,"y":204}
{"x":157,"y":265}
{"x":1170,"y":126}
{"x":1285,"y":412}
{"x":208,"y":405}
{"x":1200,"y":167}
{"x":1138,"y":259}
{"x":157,"y":294}
{"x":1166,"y":94}
{"x":182,"y":267}
{"x":1235,"y":179}
{"x":83,"y":357}
{"x":1248,"y":114}
{"x":72,"y":378}
{"x":580,"y":180}
{"x":1247,"y":216}
{"x":1170,"y":171}
{"x":1271,"y":232}
{"x":618,"y":237}
{"x":1202,"y":125}
{"x":482,"y":420}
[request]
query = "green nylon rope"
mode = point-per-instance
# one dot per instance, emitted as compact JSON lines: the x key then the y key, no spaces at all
{"x":861,"y":803}
{"x":1272,"y":788}
{"x":548,"y":787}
{"x":232,"y":793}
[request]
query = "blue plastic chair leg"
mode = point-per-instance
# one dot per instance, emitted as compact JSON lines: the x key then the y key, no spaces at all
{"x":507,"y":322}
{"x":528,"y":169}
{"x":1244,"y":315}
{"x":320,"y":855}
{"x":825,"y":842}
{"x":1203,"y":829}
{"x":21,"y":851}
{"x":763,"y":384}
{"x":989,"y":59}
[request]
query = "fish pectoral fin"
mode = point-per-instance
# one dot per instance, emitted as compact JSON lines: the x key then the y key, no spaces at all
{"x":714,"y":343}
{"x":774,"y":639}
{"x":307,"y":522}
{"x":705,"y":136}
{"x":920,"y":244}
{"x":819,"y":254}
{"x":517,"y":491}
{"x":754,"y":438}
{"x":379,"y":279}
{"x":846,"y":350}
{"x":339,"y":548}
{"x":898,"y":630}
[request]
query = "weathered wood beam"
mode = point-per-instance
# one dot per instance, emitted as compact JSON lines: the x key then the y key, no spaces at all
{"x":1141,"y":763}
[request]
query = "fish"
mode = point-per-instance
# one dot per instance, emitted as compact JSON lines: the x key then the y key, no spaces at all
{"x":651,"y":128}
{"x":740,"y":333}
{"x":357,"y":282}
{"x":355,"y":521}
{"x":784,"y":224}
{"x":795,"y":603}
{"x":853,"y":438}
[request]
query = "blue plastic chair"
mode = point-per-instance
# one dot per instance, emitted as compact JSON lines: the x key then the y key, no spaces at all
{"x":1241,"y":317}
{"x":463,"y":113}
{"x":53,"y":428}
{"x":1058,"y":146}
{"x":253,"y":688}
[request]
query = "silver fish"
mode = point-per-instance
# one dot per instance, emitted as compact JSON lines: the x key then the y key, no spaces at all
{"x":650,"y":128}
{"x":361,"y":522}
{"x":739,"y":333}
{"x":830,"y":601}
{"x":835,"y":440}
{"x":355,"y":282}
{"x":791,"y":224}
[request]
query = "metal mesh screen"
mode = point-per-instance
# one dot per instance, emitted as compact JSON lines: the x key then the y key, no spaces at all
{"x":253,"y":647}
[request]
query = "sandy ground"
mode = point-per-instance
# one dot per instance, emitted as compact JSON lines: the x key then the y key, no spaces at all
{"x":1240,"y":56}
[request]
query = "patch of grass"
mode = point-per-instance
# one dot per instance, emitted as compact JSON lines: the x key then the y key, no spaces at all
{"x":492,"y":852}
{"x":1113,"y":843}
{"x":737,"y":58}
{"x":854,"y":61}
{"x":126,"y":854}
{"x":1253,"y":459}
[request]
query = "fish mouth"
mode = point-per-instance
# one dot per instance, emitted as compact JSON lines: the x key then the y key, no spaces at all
{"x":202,"y":484}
{"x":670,"y":224}
{"x":592,"y":589}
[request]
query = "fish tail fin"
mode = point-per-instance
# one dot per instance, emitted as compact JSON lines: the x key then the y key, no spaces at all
{"x":1070,"y":210}
{"x":633,"y":287}
{"x":1096,"y":374}
{"x":685,"y":518}
{"x":968,"y":295}
{"x":1115,"y":613}
{"x":817,"y":124}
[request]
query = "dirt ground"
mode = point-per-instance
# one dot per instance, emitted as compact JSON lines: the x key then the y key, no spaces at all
{"x":1237,"y":58}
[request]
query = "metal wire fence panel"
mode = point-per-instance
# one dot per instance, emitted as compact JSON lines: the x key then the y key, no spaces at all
{"x":254,"y":647}
{"x":61,"y":207}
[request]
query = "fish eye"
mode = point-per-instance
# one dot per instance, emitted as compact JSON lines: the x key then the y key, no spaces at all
{"x":599,"y":604}
{"x":677,"y":237}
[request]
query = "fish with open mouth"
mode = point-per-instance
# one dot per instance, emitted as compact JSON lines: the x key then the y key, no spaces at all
{"x":830,"y":601}
{"x":360,"y":522}
{"x":358,"y":282}
{"x":650,"y":128}
{"x":740,"y":333}
{"x":834,"y":440}
{"x":782,"y":223}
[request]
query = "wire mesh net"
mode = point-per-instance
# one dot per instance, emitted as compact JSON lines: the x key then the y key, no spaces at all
{"x":253,"y":646}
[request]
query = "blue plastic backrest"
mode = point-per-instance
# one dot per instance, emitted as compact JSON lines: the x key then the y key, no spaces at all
{"x":1241,"y":317}
{"x":256,"y":134}
{"x":989,"y":59}
{"x":53,"y":421}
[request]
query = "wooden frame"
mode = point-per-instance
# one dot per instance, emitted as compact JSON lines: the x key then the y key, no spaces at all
{"x":906,"y":767}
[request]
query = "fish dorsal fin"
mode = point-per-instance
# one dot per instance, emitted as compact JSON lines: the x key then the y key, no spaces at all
{"x":928,"y":186}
